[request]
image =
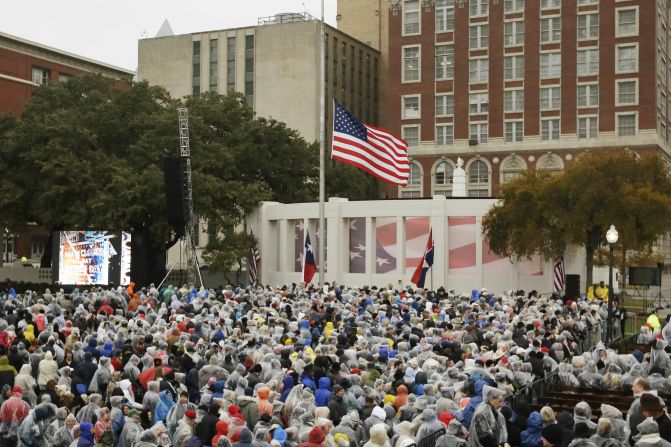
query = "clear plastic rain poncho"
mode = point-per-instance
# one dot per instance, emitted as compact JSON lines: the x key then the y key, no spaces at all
{"x":566,"y":377}
{"x":590,"y":377}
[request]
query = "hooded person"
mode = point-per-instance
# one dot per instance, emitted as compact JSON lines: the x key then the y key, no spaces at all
{"x":132,"y":429}
{"x":176,"y":413}
{"x":102,"y":429}
{"x":620,"y":429}
{"x":102,"y":377}
{"x":151,"y":397}
{"x":531,"y":437}
{"x":346,"y":427}
{"x":65,"y":434}
{"x":221,"y":438}
{"x":27,"y":383}
{"x":131,"y":369}
{"x":147,"y":439}
{"x":473,"y":403}
{"x":163,"y":406}
{"x":184,"y":430}
{"x":378,"y":437}
{"x":455,"y":436}
{"x":323,"y":392}
{"x":86,"y":438}
{"x":12,"y":413}
{"x":430,"y":425}
{"x":488,"y":426}
{"x":288,"y":382}
{"x":88,"y":412}
{"x":582,"y":413}
{"x":47,"y":370}
{"x":31,"y":431}
{"x":648,"y":435}
{"x":551,"y":436}
{"x":206,"y":429}
{"x":7,"y":372}
{"x":249,"y":408}
{"x":336,"y":405}
{"x":246,"y":439}
{"x":602,"y":437}
{"x":263,"y":402}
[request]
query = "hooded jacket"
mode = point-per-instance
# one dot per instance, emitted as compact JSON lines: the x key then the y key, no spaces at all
{"x":7,"y":372}
{"x":48,"y":370}
{"x":430,"y":424}
{"x":378,"y":437}
{"x":531,"y":437}
{"x":246,"y":439}
{"x":249,"y":409}
{"x":222,"y":431}
{"x":323,"y":393}
{"x":263,"y":401}
{"x":163,"y":406}
{"x":288,"y":383}
{"x":473,"y":403}
{"x":12,"y":412}
{"x":85,"y":435}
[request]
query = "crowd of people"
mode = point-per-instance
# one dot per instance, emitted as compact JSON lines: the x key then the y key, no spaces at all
{"x":303,"y":366}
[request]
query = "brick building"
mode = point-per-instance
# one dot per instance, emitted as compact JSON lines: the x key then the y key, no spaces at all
{"x":25,"y":65}
{"x":515,"y":85}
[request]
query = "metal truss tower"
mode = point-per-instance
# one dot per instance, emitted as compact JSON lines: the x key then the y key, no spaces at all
{"x":189,"y":240}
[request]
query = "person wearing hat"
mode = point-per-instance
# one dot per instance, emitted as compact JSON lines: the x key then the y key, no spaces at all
{"x":336,"y":405}
{"x":488,"y":426}
{"x":551,"y":435}
{"x":184,"y":430}
{"x":652,"y":407}
{"x":132,"y":429}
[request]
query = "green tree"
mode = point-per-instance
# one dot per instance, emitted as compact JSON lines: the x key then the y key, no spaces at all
{"x":543,"y":214}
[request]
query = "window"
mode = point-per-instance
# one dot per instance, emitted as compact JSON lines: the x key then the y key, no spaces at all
{"x":550,"y":163}
{"x":414,"y":188}
{"x":478,"y":36}
{"x":249,"y":70}
{"x":36,"y":249}
{"x":411,"y":64}
{"x":550,"y":98}
{"x":513,"y":100}
{"x":40,"y":75}
{"x":411,"y":135}
{"x":478,"y":71}
{"x":411,"y":107}
{"x":588,"y":95}
{"x":513,"y":67}
{"x":196,"y":68}
{"x":550,"y":129}
{"x":547,"y":4}
{"x":444,"y":62}
{"x":627,"y":92}
{"x":478,"y":7}
{"x":444,"y":16}
{"x":214,"y":64}
{"x":550,"y":65}
{"x":627,"y":58}
{"x":587,"y":127}
{"x":627,"y":22}
{"x":479,"y":132}
{"x":444,"y":105}
{"x":513,"y":33}
{"x":478,"y":179}
{"x":588,"y":26}
{"x":587,"y":2}
{"x":230,"y":64}
{"x":444,"y":134}
{"x":626,"y":125}
{"x":442,"y":179}
{"x":588,"y":62}
{"x":478,"y":103}
{"x":514,"y":6}
{"x":514,"y":131}
{"x":551,"y":29}
{"x":512,"y":168}
{"x":63,"y":77}
{"x":411,"y":17}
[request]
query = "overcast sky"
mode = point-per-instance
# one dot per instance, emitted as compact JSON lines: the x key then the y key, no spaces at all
{"x":108,"y":31}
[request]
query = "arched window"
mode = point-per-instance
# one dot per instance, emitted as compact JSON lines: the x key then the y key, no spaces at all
{"x":550,"y":163}
{"x":414,"y":188}
{"x":478,"y":179}
{"x":511,"y":168}
{"x":442,"y":178}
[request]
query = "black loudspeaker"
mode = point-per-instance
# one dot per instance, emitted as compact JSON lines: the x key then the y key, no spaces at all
{"x":175,"y":168}
{"x":573,"y":286}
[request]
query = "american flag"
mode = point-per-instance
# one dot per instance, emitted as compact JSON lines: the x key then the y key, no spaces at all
{"x":374,"y":150}
{"x":254,"y":260}
{"x":559,"y":275}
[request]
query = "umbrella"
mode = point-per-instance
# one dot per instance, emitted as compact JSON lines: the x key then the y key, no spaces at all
{"x":149,"y":375}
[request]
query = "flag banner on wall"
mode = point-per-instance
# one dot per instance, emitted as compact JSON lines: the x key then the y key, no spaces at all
{"x":559,"y":275}
{"x":419,"y":276}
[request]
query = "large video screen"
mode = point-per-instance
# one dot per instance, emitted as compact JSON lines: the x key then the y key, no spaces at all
{"x":92,"y":257}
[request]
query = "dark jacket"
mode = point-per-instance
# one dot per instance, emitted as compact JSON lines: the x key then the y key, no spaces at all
{"x":664,"y":424}
{"x":206,"y":429}
{"x":337,"y":409}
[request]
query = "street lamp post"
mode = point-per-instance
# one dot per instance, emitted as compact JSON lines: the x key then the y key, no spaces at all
{"x":611,"y":237}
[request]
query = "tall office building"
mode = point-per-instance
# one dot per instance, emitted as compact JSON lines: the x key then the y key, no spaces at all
{"x":515,"y":85}
{"x":274,"y":64}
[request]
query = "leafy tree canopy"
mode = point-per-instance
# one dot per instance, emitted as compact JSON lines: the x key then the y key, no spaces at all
{"x":543,"y":214}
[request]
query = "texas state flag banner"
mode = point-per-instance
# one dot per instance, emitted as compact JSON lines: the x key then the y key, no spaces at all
{"x":309,"y":264}
{"x":425,"y":264}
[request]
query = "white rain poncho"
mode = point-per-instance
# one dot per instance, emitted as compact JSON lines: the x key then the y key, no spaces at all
{"x":566,"y":377}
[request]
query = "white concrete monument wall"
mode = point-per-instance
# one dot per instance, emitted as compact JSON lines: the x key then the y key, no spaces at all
{"x":398,"y":229}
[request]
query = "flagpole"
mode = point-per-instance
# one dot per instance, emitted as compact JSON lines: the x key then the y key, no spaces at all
{"x":322,"y":149}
